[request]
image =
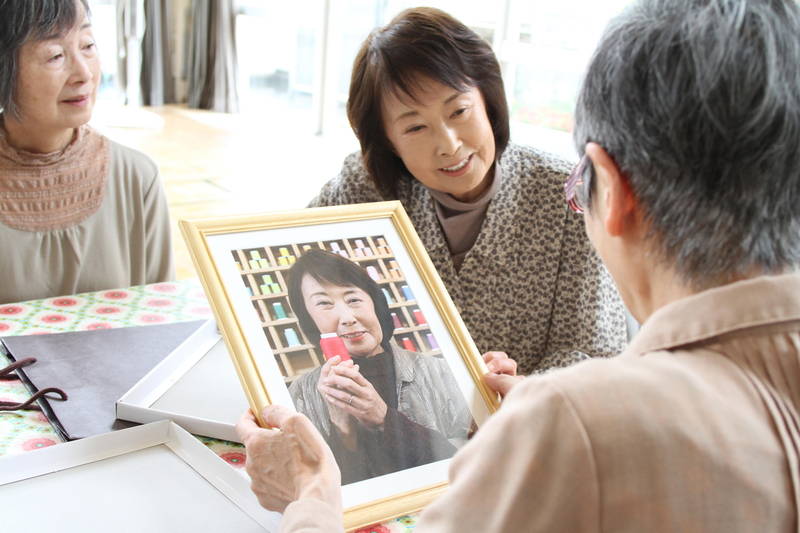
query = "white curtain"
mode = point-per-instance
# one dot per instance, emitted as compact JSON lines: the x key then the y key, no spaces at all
{"x":156,"y":78}
{"x":130,"y":31}
{"x":211,"y":63}
{"x":209,"y":53}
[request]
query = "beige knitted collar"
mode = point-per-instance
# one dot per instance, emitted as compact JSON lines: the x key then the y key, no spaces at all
{"x":43,"y":192}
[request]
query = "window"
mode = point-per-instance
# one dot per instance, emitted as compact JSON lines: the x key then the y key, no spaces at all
{"x":286,"y":56}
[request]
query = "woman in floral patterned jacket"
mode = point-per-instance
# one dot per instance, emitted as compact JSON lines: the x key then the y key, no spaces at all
{"x":428,"y":106}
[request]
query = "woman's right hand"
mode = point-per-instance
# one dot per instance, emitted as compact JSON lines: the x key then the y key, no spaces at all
{"x":502,"y":375}
{"x":343,"y":422}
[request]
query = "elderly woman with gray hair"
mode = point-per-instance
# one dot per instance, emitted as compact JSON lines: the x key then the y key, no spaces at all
{"x":689,"y":122}
{"x":78,"y":212}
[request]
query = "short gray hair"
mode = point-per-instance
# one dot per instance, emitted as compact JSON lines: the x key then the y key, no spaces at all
{"x":698,"y":102}
{"x":23,"y":20}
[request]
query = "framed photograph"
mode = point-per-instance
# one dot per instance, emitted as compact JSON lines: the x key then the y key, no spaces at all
{"x":339,"y":313}
{"x":153,"y":477}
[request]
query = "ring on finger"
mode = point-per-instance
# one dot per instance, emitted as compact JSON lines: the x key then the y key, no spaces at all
{"x":350,"y":400}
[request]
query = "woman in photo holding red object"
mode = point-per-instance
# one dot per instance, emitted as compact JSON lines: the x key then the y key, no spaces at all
{"x":381,"y":408}
{"x":78,"y":212}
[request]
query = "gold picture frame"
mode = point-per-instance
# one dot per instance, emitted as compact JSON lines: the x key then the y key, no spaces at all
{"x":243,"y":263}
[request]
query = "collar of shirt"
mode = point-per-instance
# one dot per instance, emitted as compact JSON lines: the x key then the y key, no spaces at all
{"x":461,"y":222}
{"x":454,"y":206}
{"x":737,"y":306}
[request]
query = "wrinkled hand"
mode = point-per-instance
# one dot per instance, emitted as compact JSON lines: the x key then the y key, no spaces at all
{"x":340,"y":418}
{"x":345,"y":389}
{"x":289,"y":462}
{"x":502,"y":375}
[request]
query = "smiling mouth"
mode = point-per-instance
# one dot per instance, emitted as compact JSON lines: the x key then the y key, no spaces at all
{"x":458,"y":166}
{"x":353,"y":335}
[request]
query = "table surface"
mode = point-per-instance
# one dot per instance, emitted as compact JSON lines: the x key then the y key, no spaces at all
{"x":159,"y":303}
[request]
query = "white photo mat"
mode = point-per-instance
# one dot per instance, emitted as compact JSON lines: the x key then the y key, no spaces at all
{"x":155,"y":477}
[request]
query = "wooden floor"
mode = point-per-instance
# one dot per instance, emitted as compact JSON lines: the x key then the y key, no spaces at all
{"x":223,"y":164}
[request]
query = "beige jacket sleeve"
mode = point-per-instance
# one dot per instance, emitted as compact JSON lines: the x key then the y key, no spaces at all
{"x":530,"y":468}
{"x":311,"y":516}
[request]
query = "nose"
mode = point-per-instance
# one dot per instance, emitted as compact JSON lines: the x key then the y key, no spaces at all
{"x":346,"y":316}
{"x":81,"y":69}
{"x":448,"y":141}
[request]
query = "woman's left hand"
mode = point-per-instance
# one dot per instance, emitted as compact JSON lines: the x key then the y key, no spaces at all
{"x":355,"y":395}
{"x":290,"y":462}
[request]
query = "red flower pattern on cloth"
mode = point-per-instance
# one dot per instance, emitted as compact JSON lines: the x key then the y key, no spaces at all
{"x":116,"y":295}
{"x":236,"y":459}
{"x":152,"y":318}
{"x":164,"y":287}
{"x":107,"y":310}
{"x":158,"y":302}
{"x":10,"y":310}
{"x":35,"y":444}
{"x":4,"y":327}
{"x":374,"y":528}
{"x":53,"y":319}
{"x":98,"y":325}
{"x":65,"y":302}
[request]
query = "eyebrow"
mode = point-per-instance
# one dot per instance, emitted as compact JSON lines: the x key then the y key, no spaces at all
{"x":324,"y":293}
{"x":412,"y":112}
{"x":318,"y":293}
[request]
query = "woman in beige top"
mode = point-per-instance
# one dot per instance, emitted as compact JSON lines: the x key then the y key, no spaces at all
{"x":689,"y":118}
{"x":78,"y":212}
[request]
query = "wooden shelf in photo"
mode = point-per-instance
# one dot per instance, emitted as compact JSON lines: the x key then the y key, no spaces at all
{"x":266,"y":270}
{"x":404,"y":303}
{"x":362,"y":258}
{"x":295,"y":348}
{"x":269,"y":296}
{"x":279,"y":322}
{"x":411,"y":329}
{"x":390,"y":280}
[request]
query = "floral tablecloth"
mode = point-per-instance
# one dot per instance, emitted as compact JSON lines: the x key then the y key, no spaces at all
{"x":159,"y":303}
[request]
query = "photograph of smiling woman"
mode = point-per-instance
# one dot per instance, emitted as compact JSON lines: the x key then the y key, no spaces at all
{"x":386,"y":409}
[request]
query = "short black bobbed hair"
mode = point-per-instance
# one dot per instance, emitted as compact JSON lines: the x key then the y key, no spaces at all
{"x":24,"y":20}
{"x":419,"y":42}
{"x":327,"y":267}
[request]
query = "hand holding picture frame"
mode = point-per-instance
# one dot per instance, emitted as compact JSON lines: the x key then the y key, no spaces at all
{"x":339,"y":313}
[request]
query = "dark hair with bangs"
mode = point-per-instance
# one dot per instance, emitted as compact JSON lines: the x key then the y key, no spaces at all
{"x":327,"y":267}
{"x":24,"y":20}
{"x":418,"y":42}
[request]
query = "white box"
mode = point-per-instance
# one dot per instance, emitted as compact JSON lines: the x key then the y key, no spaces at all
{"x":195,"y":386}
{"x":155,"y":478}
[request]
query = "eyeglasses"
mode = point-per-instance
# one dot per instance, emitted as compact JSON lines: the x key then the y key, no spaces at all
{"x":576,"y":188}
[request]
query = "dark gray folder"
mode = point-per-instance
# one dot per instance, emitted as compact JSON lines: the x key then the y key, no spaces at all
{"x":95,"y":368}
